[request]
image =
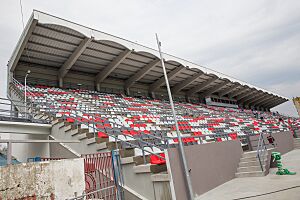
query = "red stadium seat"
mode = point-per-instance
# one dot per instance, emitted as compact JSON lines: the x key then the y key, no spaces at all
{"x":70,"y":120}
{"x":102,"y":135}
{"x":155,"y":160}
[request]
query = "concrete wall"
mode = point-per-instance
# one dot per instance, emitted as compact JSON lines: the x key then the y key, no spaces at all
{"x":284,"y":141}
{"x":59,"y":150}
{"x":59,"y":179}
{"x":211,"y":164}
{"x":25,"y":131}
{"x":22,"y":151}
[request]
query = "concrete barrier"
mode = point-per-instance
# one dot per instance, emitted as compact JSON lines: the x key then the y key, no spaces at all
{"x":211,"y":164}
{"x":42,"y":180}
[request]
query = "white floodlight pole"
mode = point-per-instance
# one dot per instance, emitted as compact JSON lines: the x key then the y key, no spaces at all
{"x":25,"y":92}
{"x":181,"y":149}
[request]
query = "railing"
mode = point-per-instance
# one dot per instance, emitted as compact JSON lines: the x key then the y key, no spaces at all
{"x":21,"y":114}
{"x":261,"y":149}
{"x":85,"y":195}
{"x":51,"y":109}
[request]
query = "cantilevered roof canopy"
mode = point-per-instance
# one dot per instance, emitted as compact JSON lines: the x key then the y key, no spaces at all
{"x":66,"y":46}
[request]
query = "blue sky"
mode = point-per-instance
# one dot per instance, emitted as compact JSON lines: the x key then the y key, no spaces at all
{"x":254,"y":41}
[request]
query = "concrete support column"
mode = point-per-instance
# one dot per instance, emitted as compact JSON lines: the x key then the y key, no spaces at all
{"x":98,"y":87}
{"x":152,"y":94}
{"x":127,"y":91}
{"x":60,"y":82}
{"x":187,"y":98}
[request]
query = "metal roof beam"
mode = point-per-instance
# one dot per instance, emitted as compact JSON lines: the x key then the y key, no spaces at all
{"x":258,"y":102}
{"x":251,"y":101}
{"x":214,"y":89}
{"x":73,"y":58}
{"x":141,"y":73}
{"x":262,"y":103}
{"x":172,"y":74}
{"x":275,"y":103}
{"x":245,"y":95}
{"x":198,"y":88}
{"x":228,"y":90}
{"x":238,"y":92}
{"x":103,"y":74}
{"x":186,"y":82}
{"x":22,"y":44}
{"x":245,"y":99}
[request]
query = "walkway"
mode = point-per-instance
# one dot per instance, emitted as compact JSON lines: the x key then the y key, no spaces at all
{"x":243,"y":188}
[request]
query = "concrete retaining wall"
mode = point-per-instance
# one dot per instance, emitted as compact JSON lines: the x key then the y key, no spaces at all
{"x":211,"y":164}
{"x":44,"y":180}
{"x":284,"y":141}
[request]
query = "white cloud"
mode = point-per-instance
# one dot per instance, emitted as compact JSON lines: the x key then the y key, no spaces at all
{"x":255,"y":41}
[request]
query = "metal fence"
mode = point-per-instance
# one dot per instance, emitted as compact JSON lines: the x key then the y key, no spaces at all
{"x":99,"y":176}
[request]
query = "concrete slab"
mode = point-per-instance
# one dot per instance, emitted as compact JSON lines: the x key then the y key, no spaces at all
{"x":256,"y":188}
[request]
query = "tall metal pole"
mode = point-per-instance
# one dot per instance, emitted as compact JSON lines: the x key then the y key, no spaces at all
{"x":25,"y":92}
{"x":9,"y":152}
{"x":188,"y":182}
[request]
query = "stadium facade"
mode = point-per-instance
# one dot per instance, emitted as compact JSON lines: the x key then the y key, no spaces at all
{"x":65,"y":54}
{"x":296,"y":101}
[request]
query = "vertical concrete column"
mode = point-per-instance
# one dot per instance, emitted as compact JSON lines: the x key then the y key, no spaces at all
{"x":152,"y":94}
{"x":98,"y":87}
{"x":60,"y":82}
{"x":127,"y":91}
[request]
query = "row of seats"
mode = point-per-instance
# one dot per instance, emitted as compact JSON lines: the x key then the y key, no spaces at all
{"x":129,"y":118}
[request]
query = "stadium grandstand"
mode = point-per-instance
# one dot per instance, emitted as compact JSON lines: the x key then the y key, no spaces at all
{"x":104,"y":99}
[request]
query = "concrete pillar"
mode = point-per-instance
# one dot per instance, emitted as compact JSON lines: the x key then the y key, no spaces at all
{"x":60,"y":82}
{"x":152,"y":94}
{"x":127,"y":91}
{"x":98,"y":87}
{"x":187,"y":99}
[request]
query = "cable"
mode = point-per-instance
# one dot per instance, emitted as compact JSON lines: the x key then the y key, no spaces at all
{"x":21,"y":6}
{"x":22,"y":17}
{"x":289,"y":188}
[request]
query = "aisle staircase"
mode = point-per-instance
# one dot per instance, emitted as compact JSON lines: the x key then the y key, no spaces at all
{"x":296,"y":143}
{"x":249,"y":165}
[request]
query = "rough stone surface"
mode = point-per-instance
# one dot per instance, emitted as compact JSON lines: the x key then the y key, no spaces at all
{"x":42,"y":180}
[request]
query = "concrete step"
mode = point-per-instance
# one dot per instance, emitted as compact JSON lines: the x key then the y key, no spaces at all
{"x":73,"y":132}
{"x":45,"y":117}
{"x":254,"y":158}
{"x":249,"y":154}
{"x":250,"y":168}
{"x":101,"y":147}
{"x":91,"y":141}
{"x":149,"y":168}
{"x":297,"y":143}
{"x":56,"y":121}
{"x":81,"y":137}
{"x":68,"y":128}
{"x":161,"y":177}
{"x":127,"y":160}
{"x":249,"y":174}
{"x":249,"y":164}
{"x":296,"y":146}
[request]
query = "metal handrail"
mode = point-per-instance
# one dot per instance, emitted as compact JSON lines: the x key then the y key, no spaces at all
{"x":261,"y":149}
{"x":84,"y":195}
{"x":11,"y":114}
